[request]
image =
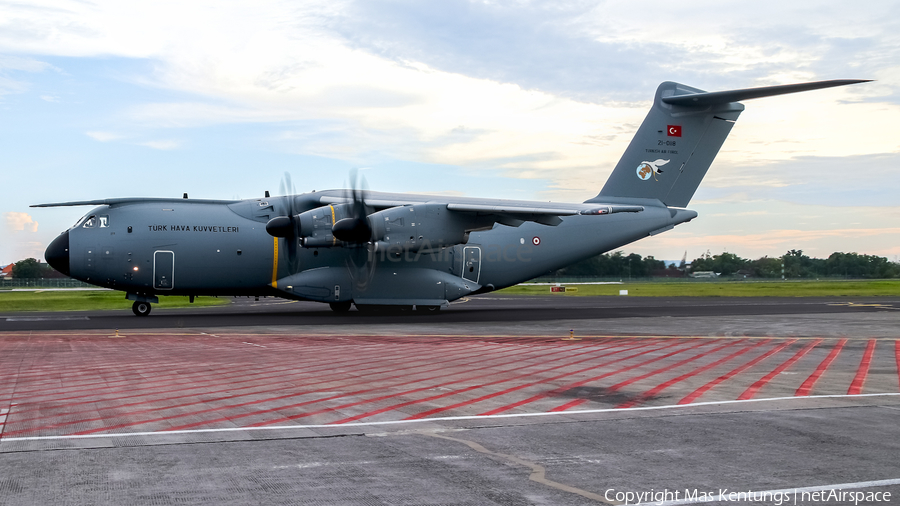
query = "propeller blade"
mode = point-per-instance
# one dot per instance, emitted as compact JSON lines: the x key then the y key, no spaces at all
{"x":287,"y":226}
{"x":356,"y":228}
{"x":357,"y":231}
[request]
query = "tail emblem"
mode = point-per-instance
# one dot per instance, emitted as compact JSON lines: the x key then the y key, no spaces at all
{"x":647,"y":169}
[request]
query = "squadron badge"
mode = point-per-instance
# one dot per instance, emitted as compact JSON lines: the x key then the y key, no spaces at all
{"x":647,"y":169}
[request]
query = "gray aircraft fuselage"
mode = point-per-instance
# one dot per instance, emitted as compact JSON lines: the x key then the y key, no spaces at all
{"x":196,"y":247}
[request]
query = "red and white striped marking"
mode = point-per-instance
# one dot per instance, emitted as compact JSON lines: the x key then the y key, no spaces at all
{"x":89,"y":385}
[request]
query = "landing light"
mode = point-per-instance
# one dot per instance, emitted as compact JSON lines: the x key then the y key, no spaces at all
{"x":135,"y":268}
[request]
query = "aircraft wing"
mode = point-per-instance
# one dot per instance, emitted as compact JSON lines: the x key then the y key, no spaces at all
{"x":516,"y":215}
{"x":512,"y":213}
{"x":130,"y":200}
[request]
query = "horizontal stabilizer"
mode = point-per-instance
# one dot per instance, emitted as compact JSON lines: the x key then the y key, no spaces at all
{"x":723,"y":97}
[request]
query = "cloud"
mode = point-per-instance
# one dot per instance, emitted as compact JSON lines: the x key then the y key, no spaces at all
{"x":18,"y":222}
{"x":540,"y":91}
{"x":10,"y":65}
{"x":103,"y":136}
{"x":544,"y":90}
{"x":8,"y":62}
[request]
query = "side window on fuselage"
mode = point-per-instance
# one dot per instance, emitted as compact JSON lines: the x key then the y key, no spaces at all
{"x":104,"y":221}
{"x":90,"y":222}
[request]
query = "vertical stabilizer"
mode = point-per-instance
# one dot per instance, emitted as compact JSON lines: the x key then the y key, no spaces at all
{"x":672,"y":149}
{"x":681,"y":136}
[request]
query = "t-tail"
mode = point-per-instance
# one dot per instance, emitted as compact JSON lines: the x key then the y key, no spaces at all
{"x":681,"y":136}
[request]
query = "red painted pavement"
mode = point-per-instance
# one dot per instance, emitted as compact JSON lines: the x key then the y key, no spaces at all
{"x":70,"y":383}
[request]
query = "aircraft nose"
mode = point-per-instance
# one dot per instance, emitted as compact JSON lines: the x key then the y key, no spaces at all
{"x":57,"y":254}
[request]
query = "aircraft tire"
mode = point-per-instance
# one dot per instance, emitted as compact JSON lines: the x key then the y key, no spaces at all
{"x":428,"y":309}
{"x":340,"y":307}
{"x":141,"y":308}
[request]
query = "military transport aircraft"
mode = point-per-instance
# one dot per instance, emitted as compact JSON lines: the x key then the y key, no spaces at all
{"x":392,"y":250}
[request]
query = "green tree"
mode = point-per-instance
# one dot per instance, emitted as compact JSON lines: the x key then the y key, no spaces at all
{"x":651,"y":264}
{"x":798,"y":265}
{"x":614,"y":265}
{"x":854,"y":265}
{"x":30,"y":268}
{"x":724,"y":264}
{"x":766,"y":267}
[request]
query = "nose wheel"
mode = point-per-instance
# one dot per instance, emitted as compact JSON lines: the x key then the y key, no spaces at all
{"x":141,"y":308}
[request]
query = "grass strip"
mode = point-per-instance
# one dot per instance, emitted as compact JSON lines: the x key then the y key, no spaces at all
{"x":830,"y":288}
{"x":84,"y":300}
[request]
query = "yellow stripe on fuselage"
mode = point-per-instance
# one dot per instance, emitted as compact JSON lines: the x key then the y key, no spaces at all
{"x":333,"y":240}
{"x":275,"y":263}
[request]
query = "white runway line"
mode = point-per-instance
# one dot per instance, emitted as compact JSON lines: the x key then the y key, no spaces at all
{"x":440,"y":419}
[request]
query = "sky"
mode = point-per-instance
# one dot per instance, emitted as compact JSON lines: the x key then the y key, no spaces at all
{"x":518,"y":99}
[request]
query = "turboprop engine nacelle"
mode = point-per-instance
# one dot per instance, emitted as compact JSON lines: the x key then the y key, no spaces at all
{"x":411,"y":228}
{"x":313,"y":227}
{"x":421,"y":227}
{"x":316,"y":225}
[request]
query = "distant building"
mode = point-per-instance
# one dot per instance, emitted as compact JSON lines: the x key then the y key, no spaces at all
{"x":6,"y":272}
{"x":744,"y":273}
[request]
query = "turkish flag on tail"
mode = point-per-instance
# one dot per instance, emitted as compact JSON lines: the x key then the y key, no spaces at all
{"x":674,"y":130}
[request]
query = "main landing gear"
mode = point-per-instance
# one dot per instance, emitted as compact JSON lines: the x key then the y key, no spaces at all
{"x":340,"y":307}
{"x":141,"y":308}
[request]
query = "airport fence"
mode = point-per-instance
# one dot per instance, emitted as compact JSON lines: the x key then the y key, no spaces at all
{"x":720,"y":279}
{"x":9,"y":284}
{"x":620,"y":279}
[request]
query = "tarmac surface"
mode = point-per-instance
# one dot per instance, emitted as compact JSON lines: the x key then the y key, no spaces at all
{"x":792,"y":401}
{"x":515,"y":314}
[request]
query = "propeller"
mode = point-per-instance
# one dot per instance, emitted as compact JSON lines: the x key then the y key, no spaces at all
{"x":287,"y":226}
{"x":355,"y":228}
{"x":356,"y":232}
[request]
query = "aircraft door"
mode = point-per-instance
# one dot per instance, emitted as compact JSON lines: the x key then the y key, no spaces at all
{"x":164,"y":270}
{"x":471,"y":263}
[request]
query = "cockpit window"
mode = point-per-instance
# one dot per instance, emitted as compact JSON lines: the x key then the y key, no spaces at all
{"x":90,"y":222}
{"x":104,"y":221}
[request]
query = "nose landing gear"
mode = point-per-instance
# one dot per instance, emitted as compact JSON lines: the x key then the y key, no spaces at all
{"x":141,"y":308}
{"x":340,"y":307}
